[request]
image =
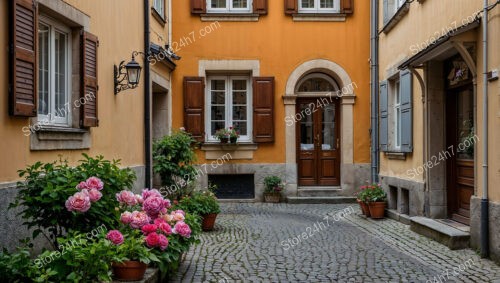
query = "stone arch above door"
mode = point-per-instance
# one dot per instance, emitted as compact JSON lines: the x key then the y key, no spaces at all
{"x":347,"y":96}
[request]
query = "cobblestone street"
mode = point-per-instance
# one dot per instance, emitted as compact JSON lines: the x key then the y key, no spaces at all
{"x":265,"y":243}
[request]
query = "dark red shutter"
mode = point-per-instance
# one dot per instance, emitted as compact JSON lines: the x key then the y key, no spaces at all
{"x":194,"y":105}
{"x":347,"y":6}
{"x":88,"y":100}
{"x":263,"y":109}
{"x":198,"y":6}
{"x":23,"y":68}
{"x":291,"y":7}
{"x":260,"y":7}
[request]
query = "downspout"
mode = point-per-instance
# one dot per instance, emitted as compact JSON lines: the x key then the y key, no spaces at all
{"x":374,"y":91}
{"x":484,"y":201}
{"x":170,"y":73}
{"x":147,"y":97}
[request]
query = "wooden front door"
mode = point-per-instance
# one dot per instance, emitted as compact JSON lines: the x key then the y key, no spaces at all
{"x":461,"y":142}
{"x":318,"y":142}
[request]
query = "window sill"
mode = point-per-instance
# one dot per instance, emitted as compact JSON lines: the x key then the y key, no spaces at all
{"x":396,"y":155}
{"x":319,"y":17}
{"x":161,"y":19}
{"x":57,"y":138}
{"x":229,"y":17}
{"x":214,"y":150}
{"x":401,"y":12}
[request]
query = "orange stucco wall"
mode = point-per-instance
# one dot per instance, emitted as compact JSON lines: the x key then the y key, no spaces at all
{"x":280,"y":44}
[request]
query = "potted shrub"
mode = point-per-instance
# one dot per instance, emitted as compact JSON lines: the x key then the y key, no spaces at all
{"x":362,"y":198}
{"x":273,"y":188}
{"x":222,"y":135}
{"x":204,"y":204}
{"x":233,"y":135}
{"x":377,"y":201}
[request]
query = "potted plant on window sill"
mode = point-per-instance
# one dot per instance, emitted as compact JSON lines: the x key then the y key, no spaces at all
{"x":233,"y":135}
{"x":377,"y":201}
{"x":222,"y":135}
{"x":273,"y":188}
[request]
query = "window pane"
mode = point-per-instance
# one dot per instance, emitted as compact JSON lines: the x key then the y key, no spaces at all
{"x":239,"y":85}
{"x":306,"y":127}
{"x":218,"y":85}
{"x":218,"y":4}
{"x":316,"y":84}
{"x":240,"y":4}
{"x":307,"y":3}
{"x":326,"y":4}
{"x":239,"y":112}
{"x":218,"y":113}
{"x":241,"y":128}
{"x":60,"y":74}
{"x":218,"y":97}
{"x":217,"y":125}
{"x":43,"y":69}
{"x":240,"y":98}
{"x":328,"y":127}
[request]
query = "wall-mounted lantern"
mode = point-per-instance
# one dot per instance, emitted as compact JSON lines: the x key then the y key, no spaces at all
{"x":127,"y":76}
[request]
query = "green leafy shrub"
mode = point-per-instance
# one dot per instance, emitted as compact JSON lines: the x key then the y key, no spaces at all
{"x":200,"y":203}
{"x":19,"y":267}
{"x":273,"y":184}
{"x":372,"y":193}
{"x":47,"y":186}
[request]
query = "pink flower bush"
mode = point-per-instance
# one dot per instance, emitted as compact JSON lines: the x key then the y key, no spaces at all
{"x":126,"y":197}
{"x":149,"y":228}
{"x":147,"y":193}
{"x":162,"y":242}
{"x":153,"y":205}
{"x":78,"y":202}
{"x":177,"y":216}
{"x":152,"y":240}
{"x":139,"y":199}
{"x":165,"y":228}
{"x":139,"y":219}
{"x":94,"y":195}
{"x":94,"y":183}
{"x":126,"y":217}
{"x":182,"y":229}
{"x":82,"y":186}
{"x":115,"y":237}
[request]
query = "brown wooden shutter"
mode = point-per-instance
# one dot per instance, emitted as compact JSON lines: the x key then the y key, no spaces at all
{"x":263,"y":109}
{"x":198,"y":6}
{"x":347,"y":6}
{"x":88,"y":108}
{"x":23,"y":67}
{"x":260,"y":7}
{"x":194,"y":105}
{"x":291,"y":7}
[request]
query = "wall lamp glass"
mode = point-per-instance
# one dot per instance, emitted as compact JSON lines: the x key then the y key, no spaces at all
{"x":127,"y":76}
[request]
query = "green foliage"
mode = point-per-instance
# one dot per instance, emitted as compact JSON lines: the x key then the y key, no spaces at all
{"x":273,"y":184}
{"x":372,"y":193}
{"x":173,"y":158}
{"x":199,"y":203}
{"x":47,"y":186}
{"x":133,"y":248}
{"x":19,"y":267}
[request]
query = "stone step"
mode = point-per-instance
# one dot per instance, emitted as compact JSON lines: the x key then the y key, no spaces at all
{"x":451,"y":237}
{"x":321,"y":200}
{"x":319,"y":191}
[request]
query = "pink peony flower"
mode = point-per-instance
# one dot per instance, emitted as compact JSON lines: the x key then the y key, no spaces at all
{"x":115,"y":237}
{"x":139,"y":199}
{"x":153,"y":205}
{"x":162,"y":242}
{"x":180,"y":211}
{"x":182,"y":229}
{"x":149,"y":228}
{"x":94,"y":195}
{"x":126,"y":197}
{"x":82,"y":186}
{"x":139,"y":219}
{"x":152,"y":240}
{"x":94,"y":183}
{"x":168,"y":218}
{"x":166,"y":203}
{"x":165,"y":228}
{"x":79,"y":202}
{"x":126,"y":217}
{"x":177,"y":216}
{"x":147,"y":193}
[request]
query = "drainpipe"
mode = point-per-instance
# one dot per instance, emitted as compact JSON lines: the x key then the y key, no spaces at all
{"x":374,"y":91}
{"x":147,"y":97}
{"x":484,"y":200}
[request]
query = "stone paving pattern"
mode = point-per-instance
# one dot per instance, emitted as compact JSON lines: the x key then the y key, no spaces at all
{"x":249,"y":245}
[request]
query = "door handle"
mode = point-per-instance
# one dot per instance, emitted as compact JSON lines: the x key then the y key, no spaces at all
{"x":317,"y":140}
{"x":338,"y":143}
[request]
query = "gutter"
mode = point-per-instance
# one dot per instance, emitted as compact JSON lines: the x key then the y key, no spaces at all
{"x":147,"y":99}
{"x":374,"y":131}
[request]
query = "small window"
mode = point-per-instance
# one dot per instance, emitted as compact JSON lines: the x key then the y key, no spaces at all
{"x":319,"y":6}
{"x":229,"y":103}
{"x":229,"y":6}
{"x":159,"y":6}
{"x":54,"y":73}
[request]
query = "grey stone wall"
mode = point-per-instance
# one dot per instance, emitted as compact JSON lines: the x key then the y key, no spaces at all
{"x":416,"y":194}
{"x":475,"y":227}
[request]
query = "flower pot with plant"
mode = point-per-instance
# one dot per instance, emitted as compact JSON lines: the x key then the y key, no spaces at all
{"x":363,"y":198}
{"x":204,"y":204}
{"x":233,"y":135}
{"x":377,"y":201}
{"x":222,"y":135}
{"x":273,"y":188}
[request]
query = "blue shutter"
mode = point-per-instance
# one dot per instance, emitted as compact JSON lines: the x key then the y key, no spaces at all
{"x":384,"y":117}
{"x":405,"y":83}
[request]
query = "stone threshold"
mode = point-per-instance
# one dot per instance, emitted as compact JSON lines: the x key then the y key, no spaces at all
{"x":445,"y":234}
{"x":394,"y":215}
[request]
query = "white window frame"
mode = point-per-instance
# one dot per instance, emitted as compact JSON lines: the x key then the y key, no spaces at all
{"x":228,"y":106}
{"x":51,"y":119}
{"x":229,"y":7}
{"x":396,"y":106}
{"x":159,"y":6}
{"x":317,"y":9}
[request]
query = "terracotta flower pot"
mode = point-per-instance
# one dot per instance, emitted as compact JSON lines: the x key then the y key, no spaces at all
{"x":208,"y":222}
{"x":272,"y":197}
{"x":365,"y":208}
{"x":129,"y":270}
{"x":377,"y":209}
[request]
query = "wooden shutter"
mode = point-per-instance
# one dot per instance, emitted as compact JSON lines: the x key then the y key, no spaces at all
{"x":347,"y":6}
{"x":260,"y":7}
{"x":263,"y":109}
{"x":291,"y":7}
{"x":384,"y":117}
{"x":88,"y":108}
{"x":194,"y":105}
{"x":198,"y":6}
{"x":22,"y":59}
{"x":406,"y":89}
